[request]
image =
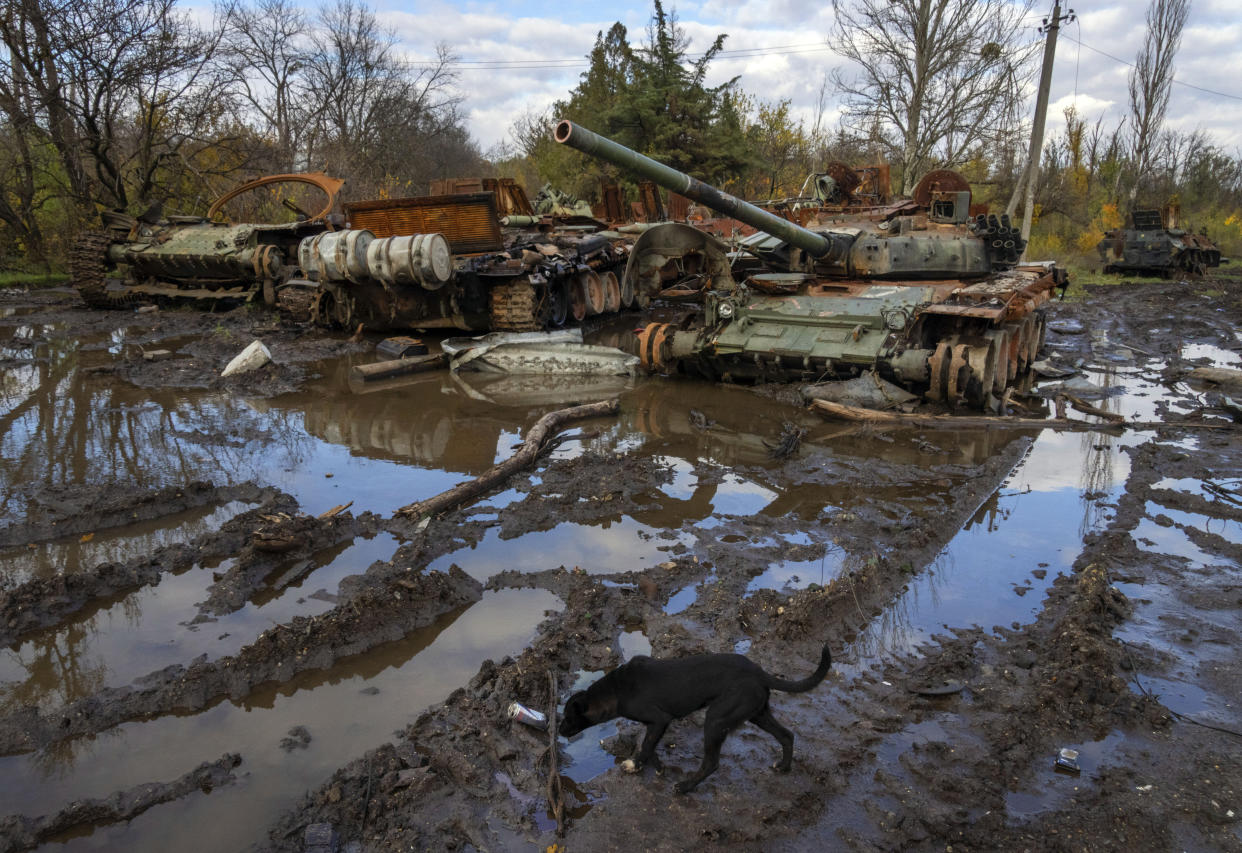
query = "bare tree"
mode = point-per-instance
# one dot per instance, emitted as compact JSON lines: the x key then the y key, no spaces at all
{"x":376,"y":119}
{"x":268,"y":53}
{"x":1151,"y":79}
{"x":122,"y":89}
{"x":934,"y":79}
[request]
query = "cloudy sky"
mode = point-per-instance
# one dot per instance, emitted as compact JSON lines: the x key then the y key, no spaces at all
{"x":524,"y":54}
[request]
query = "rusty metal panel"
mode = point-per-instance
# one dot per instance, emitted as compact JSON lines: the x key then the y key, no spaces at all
{"x":614,"y":207}
{"x":469,"y":222}
{"x":457,"y":186}
{"x":649,"y":198}
{"x":678,"y":207}
{"x":511,"y":199}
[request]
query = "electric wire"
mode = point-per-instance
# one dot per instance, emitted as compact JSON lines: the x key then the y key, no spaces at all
{"x":1131,"y":65}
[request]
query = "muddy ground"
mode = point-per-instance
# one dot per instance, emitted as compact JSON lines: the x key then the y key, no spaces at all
{"x":969,"y":651}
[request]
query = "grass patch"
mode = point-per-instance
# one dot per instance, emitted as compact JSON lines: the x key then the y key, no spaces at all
{"x":31,"y":280}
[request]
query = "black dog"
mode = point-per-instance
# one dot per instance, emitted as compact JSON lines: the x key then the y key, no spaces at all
{"x":734,"y":689}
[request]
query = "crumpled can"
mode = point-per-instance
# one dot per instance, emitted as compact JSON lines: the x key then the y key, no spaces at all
{"x":532,"y":718}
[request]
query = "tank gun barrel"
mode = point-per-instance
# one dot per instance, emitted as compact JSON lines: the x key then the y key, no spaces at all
{"x":592,"y":144}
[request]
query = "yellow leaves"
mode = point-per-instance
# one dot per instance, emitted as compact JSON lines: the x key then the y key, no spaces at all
{"x":1089,"y":238}
{"x":1110,"y":217}
{"x":87,"y":537}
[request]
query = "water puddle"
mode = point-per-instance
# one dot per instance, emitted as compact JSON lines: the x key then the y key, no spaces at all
{"x":620,"y":546}
{"x":1056,"y":786}
{"x":113,"y":545}
{"x":115,"y":642}
{"x":69,"y":427}
{"x":343,"y":720}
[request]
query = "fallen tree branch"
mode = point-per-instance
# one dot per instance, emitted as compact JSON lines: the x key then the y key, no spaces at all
{"x":398,"y":367}
{"x":1088,"y":409}
{"x":897,"y":420}
{"x":544,"y":429}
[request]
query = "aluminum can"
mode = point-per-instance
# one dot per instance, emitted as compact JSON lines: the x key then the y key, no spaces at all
{"x":534,"y":719}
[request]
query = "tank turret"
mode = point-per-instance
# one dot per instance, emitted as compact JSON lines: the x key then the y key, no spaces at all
{"x":921,"y":292}
{"x":931,"y":237}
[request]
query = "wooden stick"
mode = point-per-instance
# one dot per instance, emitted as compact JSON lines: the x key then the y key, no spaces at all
{"x":556,"y":794}
{"x":398,"y":367}
{"x":1088,"y":409}
{"x":895,"y":420}
{"x":544,"y":429}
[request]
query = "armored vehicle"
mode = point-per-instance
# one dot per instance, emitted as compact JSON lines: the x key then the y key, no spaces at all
{"x":918,"y":291}
{"x":445,"y":262}
{"x":1153,"y":246}
{"x":201,"y":260}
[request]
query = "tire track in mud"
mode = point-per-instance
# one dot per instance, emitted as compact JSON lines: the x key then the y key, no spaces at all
{"x":484,"y":779}
{"x":23,"y":833}
{"x":48,"y":601}
{"x":73,"y":511}
{"x":234,"y":588}
{"x":381,"y":605}
{"x":1063,"y":679}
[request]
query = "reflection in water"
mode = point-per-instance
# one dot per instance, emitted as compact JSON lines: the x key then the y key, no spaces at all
{"x":408,"y":676}
{"x":64,"y":428}
{"x":116,"y":545}
{"x":117,"y":640}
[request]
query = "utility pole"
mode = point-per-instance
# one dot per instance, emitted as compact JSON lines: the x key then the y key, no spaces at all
{"x":1049,"y":29}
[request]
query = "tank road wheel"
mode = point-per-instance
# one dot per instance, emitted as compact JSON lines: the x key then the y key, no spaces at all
{"x":513,"y":308}
{"x":1000,"y":344}
{"x":938,"y":372}
{"x":593,"y":288}
{"x":981,"y":356}
{"x":88,"y":264}
{"x":577,"y":300}
{"x":627,"y":291}
{"x":343,"y":314}
{"x":959,"y":373}
{"x":612,"y":293}
{"x":558,"y":302}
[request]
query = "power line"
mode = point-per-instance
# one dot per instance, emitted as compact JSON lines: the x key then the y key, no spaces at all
{"x":1131,"y":65}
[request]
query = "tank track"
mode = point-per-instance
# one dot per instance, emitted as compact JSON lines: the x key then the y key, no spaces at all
{"x":89,"y":267}
{"x":514,"y":308}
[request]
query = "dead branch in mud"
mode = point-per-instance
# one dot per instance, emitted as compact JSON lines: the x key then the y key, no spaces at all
{"x":1088,"y":409}
{"x":24,"y":833}
{"x":556,"y":794}
{"x":895,"y":420}
{"x":543,"y":430}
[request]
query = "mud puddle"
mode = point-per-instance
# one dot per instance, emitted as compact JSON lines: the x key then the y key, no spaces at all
{"x":162,"y":624}
{"x":679,"y":531}
{"x":346,"y":709}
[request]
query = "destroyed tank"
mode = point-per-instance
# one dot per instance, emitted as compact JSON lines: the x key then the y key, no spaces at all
{"x":1153,"y":246}
{"x":918,"y":291}
{"x":445,"y":262}
{"x":195,"y":259}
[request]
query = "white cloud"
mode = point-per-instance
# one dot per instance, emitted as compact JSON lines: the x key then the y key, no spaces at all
{"x":536,"y":31}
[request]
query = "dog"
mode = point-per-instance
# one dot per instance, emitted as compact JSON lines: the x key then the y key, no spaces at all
{"x":733,"y":688}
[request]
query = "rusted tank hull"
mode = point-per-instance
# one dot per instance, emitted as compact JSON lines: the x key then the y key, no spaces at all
{"x":934,"y":338}
{"x":196,"y":260}
{"x":548,"y":274}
